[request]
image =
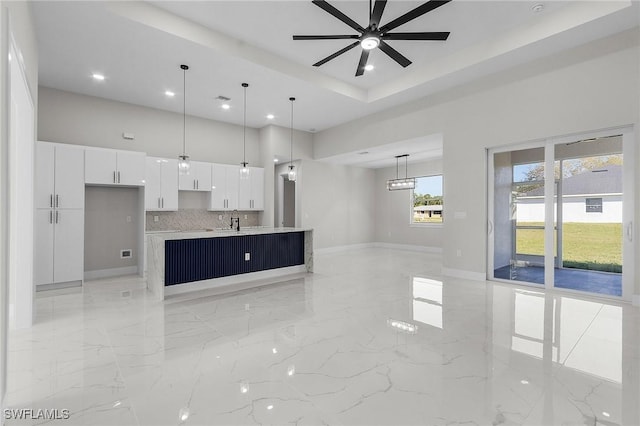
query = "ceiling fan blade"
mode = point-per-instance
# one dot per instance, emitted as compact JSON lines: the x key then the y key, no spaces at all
{"x":326,"y":37}
{"x":413,"y":14}
{"x":394,"y":54}
{"x":378,"y":8}
{"x":337,"y":14}
{"x":437,"y":36}
{"x":363,"y":61}
{"x":335,"y":55}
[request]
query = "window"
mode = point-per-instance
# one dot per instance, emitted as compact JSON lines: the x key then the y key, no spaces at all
{"x":427,"y":205}
{"x":593,"y":205}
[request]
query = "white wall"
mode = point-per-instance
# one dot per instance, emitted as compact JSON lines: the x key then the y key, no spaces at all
{"x":573,"y":209}
{"x":587,"y":88}
{"x":392,"y":210}
{"x":338,"y":202}
{"x":18,"y":16}
{"x":86,"y":120}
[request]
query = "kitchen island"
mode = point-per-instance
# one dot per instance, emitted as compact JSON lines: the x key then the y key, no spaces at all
{"x":180,"y":262}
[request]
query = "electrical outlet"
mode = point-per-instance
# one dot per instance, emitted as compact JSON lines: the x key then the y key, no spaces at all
{"x":219,"y":217}
{"x":246,"y":217}
{"x":156,"y":218}
{"x":126,"y":253}
{"x":247,"y":256}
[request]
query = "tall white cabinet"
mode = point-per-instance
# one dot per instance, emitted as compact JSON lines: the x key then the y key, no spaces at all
{"x":161,"y":188}
{"x":59,"y":217}
{"x":251,"y":190}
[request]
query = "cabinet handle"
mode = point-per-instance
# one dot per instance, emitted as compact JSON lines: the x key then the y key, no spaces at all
{"x":50,"y":216}
{"x":118,"y":177}
{"x":197,"y":184}
{"x":57,"y":200}
{"x":51,"y":200}
{"x":194,"y":184}
{"x":163,"y":202}
{"x":114,"y":176}
{"x":56,"y":216}
{"x":158,"y":202}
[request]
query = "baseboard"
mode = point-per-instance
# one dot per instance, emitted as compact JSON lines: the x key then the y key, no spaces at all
{"x":107,"y":273}
{"x":636,"y":300}
{"x":467,"y":275}
{"x":338,"y":249}
{"x":58,"y":286}
{"x":410,"y":247}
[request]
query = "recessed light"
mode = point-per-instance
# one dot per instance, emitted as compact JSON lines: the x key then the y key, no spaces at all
{"x":369,"y":67}
{"x":270,"y":116}
{"x":524,"y":382}
{"x":169,"y":93}
{"x":98,"y":77}
{"x":274,"y":350}
{"x":226,"y":106}
{"x":539,"y":7}
{"x":275,"y":160}
{"x":269,"y":407}
{"x":604,"y":413}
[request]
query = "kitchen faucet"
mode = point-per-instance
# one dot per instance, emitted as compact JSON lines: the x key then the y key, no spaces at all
{"x":236,"y":219}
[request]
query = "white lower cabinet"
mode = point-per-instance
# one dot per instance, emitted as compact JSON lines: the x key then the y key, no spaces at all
{"x":59,"y":249}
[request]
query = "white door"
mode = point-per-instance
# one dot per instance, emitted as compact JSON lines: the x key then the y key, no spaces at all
{"x":130,"y":168}
{"x":100,"y":166}
{"x":69,"y":177}
{"x":169,"y":185}
{"x":153,"y":178}
{"x":68,"y":248}
{"x":233,"y":180}
{"x":43,"y":249}
{"x":218,"y":200}
{"x":44,"y":183}
{"x":257,"y":188}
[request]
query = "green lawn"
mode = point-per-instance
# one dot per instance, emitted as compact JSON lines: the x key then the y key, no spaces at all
{"x":596,"y":246}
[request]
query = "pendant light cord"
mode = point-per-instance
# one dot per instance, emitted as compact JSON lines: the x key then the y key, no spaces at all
{"x":291,"y":157}
{"x":184,"y":110}
{"x":244,"y":127}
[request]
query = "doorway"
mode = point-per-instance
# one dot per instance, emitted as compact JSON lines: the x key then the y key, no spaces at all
{"x":289,"y":204}
{"x":560,"y":214}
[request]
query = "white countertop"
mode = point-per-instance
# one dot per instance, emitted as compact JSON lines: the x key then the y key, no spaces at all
{"x":185,"y":235}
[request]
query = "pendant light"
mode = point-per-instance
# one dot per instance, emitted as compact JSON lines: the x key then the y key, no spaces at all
{"x":292,"y":170}
{"x":244,"y":170}
{"x":184,"y":165}
{"x":398,"y":183}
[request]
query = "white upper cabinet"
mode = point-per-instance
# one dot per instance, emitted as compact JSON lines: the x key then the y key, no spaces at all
{"x":198,"y":179}
{"x":59,"y":176}
{"x":114,"y":167}
{"x":251,"y":190}
{"x":161,"y":189}
{"x":224,"y":187}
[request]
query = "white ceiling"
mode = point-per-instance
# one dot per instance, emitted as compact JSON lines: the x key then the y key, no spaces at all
{"x":139,"y":46}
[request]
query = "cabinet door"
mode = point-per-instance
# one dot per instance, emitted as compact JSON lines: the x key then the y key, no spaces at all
{"x":100,"y":166}
{"x":232,"y":186}
{"x":44,"y":184}
{"x":130,"y":168}
{"x":69,"y":177}
{"x":257,"y":188}
{"x":188,"y":182}
{"x":68,"y":246}
{"x":169,"y":185}
{"x":244,"y":191}
{"x":43,"y":249}
{"x":218,"y":198}
{"x":152,"y":186}
{"x":203,"y":176}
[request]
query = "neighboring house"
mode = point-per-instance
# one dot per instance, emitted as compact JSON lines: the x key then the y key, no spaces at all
{"x":423,"y":212}
{"x":591,"y":196}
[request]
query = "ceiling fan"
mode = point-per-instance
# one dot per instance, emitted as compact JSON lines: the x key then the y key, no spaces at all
{"x":374,"y":36}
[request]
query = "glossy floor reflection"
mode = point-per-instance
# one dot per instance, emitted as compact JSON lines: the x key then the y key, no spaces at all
{"x":375,"y":336}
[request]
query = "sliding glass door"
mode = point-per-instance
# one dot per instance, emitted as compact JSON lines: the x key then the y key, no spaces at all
{"x":560,"y":214}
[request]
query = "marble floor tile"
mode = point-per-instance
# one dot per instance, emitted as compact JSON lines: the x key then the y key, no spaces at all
{"x":372,"y":337}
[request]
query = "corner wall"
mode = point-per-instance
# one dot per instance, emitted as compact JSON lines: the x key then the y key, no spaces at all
{"x":393,"y":210}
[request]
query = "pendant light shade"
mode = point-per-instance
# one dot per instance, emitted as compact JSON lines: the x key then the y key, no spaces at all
{"x":401,"y":183}
{"x":184,"y":165}
{"x":292,"y":169}
{"x":244,"y":170}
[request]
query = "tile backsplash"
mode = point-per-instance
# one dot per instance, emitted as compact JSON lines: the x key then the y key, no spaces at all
{"x":195,"y":219}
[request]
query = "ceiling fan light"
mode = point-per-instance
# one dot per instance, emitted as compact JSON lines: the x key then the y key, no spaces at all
{"x":370,"y":42}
